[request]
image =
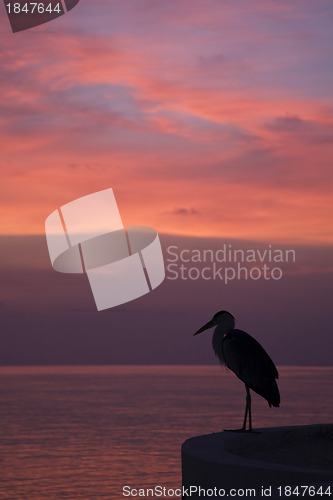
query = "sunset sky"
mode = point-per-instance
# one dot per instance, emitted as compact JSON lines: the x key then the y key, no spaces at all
{"x":208,"y":118}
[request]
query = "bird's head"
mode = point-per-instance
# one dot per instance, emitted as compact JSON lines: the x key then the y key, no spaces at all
{"x":223,"y":318}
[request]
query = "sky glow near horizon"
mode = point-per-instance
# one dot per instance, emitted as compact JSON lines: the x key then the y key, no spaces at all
{"x":211,"y":119}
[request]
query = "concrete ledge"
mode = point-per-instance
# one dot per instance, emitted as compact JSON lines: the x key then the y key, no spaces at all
{"x":271,"y":457}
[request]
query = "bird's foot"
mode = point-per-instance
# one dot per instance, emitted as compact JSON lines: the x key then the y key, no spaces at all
{"x":242,"y":430}
{"x":236,"y":430}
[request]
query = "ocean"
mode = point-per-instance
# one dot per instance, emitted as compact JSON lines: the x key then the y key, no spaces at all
{"x":86,"y":432}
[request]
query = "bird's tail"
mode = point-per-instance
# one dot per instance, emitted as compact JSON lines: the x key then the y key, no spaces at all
{"x":273,"y":395}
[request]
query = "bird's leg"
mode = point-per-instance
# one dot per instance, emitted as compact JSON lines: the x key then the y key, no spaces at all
{"x":248,"y":405}
{"x":246,"y":410}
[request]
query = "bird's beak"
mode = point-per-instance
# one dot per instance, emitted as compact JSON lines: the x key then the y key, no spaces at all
{"x":210,"y":324}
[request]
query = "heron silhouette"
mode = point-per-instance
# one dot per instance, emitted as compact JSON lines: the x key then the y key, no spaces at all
{"x":246,"y":358}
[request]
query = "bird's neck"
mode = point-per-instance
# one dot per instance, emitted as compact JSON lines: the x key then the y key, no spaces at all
{"x":219,"y":332}
{"x":223,"y":329}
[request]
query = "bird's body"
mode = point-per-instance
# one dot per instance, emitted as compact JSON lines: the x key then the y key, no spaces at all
{"x":242,"y":354}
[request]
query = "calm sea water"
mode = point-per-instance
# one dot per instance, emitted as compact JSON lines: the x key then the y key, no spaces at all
{"x":85,"y":432}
